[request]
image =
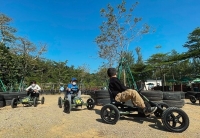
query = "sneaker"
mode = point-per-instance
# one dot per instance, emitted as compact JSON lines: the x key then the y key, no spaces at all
{"x":148,"y":111}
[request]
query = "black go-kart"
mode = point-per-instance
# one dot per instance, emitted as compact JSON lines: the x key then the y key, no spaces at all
{"x":30,"y":100}
{"x":174,"y":119}
{"x":194,"y":96}
{"x":75,"y":103}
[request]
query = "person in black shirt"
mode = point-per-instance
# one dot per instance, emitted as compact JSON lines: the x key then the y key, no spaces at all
{"x":122,"y":94}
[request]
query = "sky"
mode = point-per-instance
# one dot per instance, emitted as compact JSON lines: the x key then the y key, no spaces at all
{"x":69,"y":27}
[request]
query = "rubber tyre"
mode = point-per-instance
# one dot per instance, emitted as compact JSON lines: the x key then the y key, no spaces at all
{"x":35,"y":102}
{"x":10,"y":96}
{"x":193,"y":99}
{"x":102,"y":94}
{"x":102,"y":102}
{"x":67,"y":106}
{"x":171,"y":96}
{"x":59,"y":102}
{"x":154,"y":98}
{"x":1,"y":97}
{"x":168,"y":117}
{"x":182,"y":95}
{"x":110,"y":114}
{"x":14,"y":103}
{"x":90,"y":104}
{"x":8,"y":102}
{"x":173,"y":103}
{"x":153,"y":95}
{"x":1,"y":103}
{"x":162,"y":105}
{"x":42,"y":100}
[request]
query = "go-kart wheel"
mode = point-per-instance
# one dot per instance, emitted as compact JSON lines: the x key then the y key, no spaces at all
{"x":67,"y":106}
{"x":60,"y":102}
{"x":193,"y":99}
{"x":164,"y":106}
{"x":175,"y":119}
{"x":35,"y":102}
{"x":110,"y":114}
{"x":42,"y":100}
{"x":14,"y":103}
{"x":90,"y":104}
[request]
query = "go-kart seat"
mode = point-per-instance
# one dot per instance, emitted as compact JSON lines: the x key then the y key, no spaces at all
{"x":32,"y":94}
{"x":121,"y":105}
{"x":112,"y":99}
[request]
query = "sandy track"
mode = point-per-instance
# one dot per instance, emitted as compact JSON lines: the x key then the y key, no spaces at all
{"x":49,"y":121}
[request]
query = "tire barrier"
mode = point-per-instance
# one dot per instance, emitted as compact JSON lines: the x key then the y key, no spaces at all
{"x":6,"y":98}
{"x":102,"y":102}
{"x":153,"y":95}
{"x":174,"y":103}
{"x":174,"y":99}
{"x":182,"y":95}
{"x":1,"y":100}
{"x":171,"y":96}
{"x":1,"y":104}
{"x":101,"y":97}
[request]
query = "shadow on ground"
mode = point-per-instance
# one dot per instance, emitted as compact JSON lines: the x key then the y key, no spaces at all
{"x":195,"y":104}
{"x":156,"y":123}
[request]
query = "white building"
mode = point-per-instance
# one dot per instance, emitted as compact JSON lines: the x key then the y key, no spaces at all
{"x":152,"y":83}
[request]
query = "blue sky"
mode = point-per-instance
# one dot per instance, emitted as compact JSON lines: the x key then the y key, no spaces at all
{"x":69,"y":27}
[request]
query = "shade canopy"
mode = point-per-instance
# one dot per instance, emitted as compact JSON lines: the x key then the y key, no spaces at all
{"x":196,"y":80}
{"x":185,"y":79}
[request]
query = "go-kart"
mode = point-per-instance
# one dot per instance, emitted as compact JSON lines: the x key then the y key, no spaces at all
{"x":27,"y":101}
{"x":174,"y":119}
{"x":194,"y":96}
{"x":76,"y":102}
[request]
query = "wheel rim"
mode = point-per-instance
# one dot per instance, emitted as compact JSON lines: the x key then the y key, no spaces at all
{"x":90,"y":103}
{"x":176,"y":120}
{"x":193,"y":99}
{"x":109,"y":114}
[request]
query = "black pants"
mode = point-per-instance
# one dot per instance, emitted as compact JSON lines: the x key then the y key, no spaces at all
{"x":33,"y":94}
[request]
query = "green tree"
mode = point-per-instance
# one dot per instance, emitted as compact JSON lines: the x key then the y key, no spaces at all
{"x":193,"y":42}
{"x":9,"y":69}
{"x":60,"y":74}
{"x":193,"y":45}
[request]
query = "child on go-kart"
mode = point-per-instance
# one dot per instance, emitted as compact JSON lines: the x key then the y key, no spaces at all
{"x":72,"y":88}
{"x":122,"y":94}
{"x":33,"y":89}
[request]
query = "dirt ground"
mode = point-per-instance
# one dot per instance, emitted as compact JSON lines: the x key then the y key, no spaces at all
{"x":49,"y":121}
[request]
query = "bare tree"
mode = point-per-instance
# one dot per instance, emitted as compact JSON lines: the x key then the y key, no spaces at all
{"x":28,"y":53}
{"x":6,"y":31}
{"x":118,"y":31}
